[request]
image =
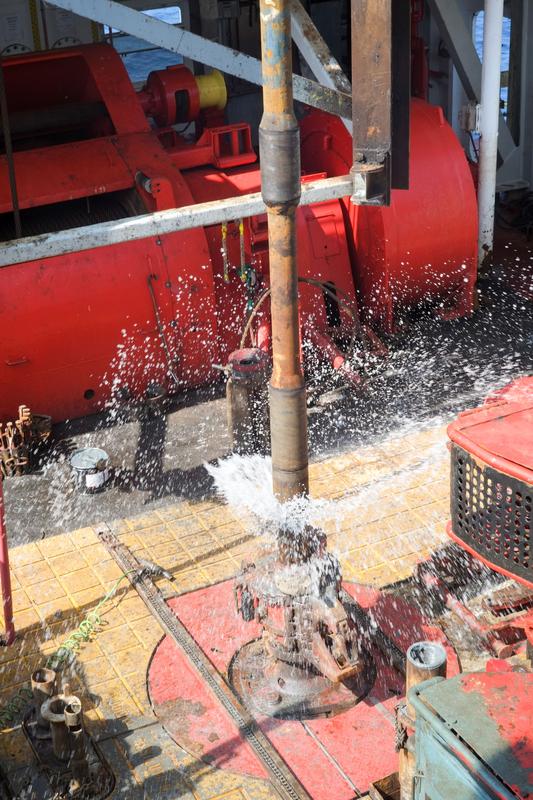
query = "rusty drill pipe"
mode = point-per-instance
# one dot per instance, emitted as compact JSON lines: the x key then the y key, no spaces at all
{"x":279,"y":142}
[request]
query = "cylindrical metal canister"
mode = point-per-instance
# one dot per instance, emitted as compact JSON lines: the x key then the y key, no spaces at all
{"x":43,"y":685}
{"x":424,"y":660}
{"x":91,"y":468}
{"x":247,"y":400}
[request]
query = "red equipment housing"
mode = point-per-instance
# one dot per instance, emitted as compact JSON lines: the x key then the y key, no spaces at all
{"x":82,"y":328}
{"x":422,"y":248}
{"x":492,"y":491}
{"x":492,"y":481}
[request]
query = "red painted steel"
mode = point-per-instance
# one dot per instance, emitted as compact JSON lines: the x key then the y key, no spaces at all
{"x":5,"y":575}
{"x":80,"y":328}
{"x":491,"y":635}
{"x":500,"y":433}
{"x":159,"y":96}
{"x":519,"y":390}
{"x":41,"y":181}
{"x":423,"y":247}
{"x":361,"y":740}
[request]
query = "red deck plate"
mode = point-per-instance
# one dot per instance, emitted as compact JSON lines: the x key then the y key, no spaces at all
{"x":360,"y":740}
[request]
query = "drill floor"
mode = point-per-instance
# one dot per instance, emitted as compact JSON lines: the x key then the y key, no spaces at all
{"x":391,"y":512}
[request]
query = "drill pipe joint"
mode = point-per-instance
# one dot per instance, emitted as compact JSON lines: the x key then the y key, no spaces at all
{"x":289,"y":442}
{"x":280,"y":166}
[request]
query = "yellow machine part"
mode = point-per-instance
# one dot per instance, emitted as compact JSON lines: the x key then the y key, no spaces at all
{"x":212,"y":90}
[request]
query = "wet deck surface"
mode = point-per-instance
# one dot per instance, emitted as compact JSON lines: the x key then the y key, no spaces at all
{"x":438,"y":369}
{"x":391,"y":513}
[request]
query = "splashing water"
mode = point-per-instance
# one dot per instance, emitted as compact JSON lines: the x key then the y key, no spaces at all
{"x":245,"y":483}
{"x":440,"y":369}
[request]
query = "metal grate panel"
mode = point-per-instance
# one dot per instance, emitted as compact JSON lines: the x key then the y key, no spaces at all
{"x":491,"y":513}
{"x":71,"y":214}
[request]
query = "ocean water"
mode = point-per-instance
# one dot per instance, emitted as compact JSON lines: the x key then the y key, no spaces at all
{"x":506,"y":42}
{"x":139,"y":64}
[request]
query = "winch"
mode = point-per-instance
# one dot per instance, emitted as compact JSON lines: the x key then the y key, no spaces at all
{"x":84,"y":329}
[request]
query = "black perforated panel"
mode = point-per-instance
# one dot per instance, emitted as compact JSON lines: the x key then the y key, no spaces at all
{"x":491,"y":513}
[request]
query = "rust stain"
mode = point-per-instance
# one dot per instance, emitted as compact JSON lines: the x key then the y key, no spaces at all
{"x":175,"y":717}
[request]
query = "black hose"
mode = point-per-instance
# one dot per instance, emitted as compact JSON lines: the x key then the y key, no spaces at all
{"x":345,"y":303}
{"x":162,"y":334}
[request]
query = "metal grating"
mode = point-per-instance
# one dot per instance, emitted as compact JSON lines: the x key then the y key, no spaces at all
{"x":72,"y":214}
{"x":491,"y":513}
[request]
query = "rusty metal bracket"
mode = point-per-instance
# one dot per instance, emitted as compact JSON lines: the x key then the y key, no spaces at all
{"x":380,"y":98}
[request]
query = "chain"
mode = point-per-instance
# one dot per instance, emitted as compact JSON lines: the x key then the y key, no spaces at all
{"x":16,"y":439}
{"x":400,"y":733}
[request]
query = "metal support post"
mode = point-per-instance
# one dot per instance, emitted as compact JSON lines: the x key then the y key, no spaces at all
{"x":457,"y":36}
{"x":279,"y":143}
{"x":317,"y":54}
{"x":4,"y":112}
{"x":5,"y":576}
{"x":488,"y":128}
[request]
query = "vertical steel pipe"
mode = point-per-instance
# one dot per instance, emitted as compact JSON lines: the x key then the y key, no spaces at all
{"x":5,"y":576}
{"x":43,"y":686}
{"x":279,"y":142}
{"x":488,"y":128}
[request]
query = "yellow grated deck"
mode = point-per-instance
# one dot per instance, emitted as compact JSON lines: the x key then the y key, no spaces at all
{"x":391,"y":511}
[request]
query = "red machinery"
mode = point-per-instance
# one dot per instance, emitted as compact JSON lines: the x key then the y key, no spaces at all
{"x":82,"y":328}
{"x":492,"y":498}
{"x":421,"y":248}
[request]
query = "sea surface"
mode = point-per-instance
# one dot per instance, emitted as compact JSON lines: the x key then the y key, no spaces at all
{"x":506,"y":42}
{"x":140,"y":57}
{"x":139,"y":64}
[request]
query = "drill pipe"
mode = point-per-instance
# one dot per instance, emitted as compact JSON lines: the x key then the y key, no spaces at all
{"x":279,"y":142}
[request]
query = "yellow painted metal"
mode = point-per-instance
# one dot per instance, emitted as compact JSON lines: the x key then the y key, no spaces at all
{"x":212,"y":90}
